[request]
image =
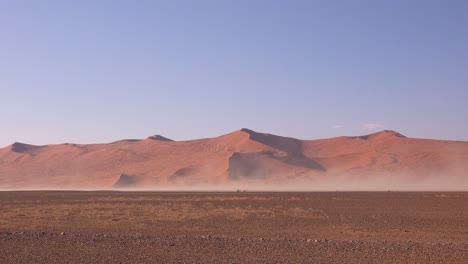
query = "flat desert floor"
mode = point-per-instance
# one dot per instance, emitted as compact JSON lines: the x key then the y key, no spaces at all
{"x":183,"y":227}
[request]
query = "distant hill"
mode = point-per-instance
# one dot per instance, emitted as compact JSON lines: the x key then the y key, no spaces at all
{"x":383,"y":160}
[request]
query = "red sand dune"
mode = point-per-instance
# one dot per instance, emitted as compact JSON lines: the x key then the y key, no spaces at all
{"x":376,"y":161}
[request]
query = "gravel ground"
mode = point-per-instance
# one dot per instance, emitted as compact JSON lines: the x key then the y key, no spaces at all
{"x":108,"y":227}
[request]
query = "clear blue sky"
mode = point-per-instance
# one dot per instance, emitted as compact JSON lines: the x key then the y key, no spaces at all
{"x":97,"y":71}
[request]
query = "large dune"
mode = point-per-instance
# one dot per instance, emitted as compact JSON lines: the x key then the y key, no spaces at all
{"x":383,"y":160}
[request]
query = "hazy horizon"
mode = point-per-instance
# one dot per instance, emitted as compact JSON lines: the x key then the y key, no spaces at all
{"x":214,"y":136}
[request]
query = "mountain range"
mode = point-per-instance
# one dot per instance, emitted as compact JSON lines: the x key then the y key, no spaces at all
{"x":253,"y":160}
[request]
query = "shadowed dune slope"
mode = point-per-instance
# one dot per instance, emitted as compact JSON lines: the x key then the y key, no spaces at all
{"x":243,"y":156}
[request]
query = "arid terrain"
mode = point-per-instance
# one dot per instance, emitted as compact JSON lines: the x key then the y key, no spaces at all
{"x":385,"y":160}
{"x":236,"y":227}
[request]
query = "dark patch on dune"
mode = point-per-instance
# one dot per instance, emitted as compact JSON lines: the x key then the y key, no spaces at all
{"x":182,"y":173}
{"x":287,"y":144}
{"x":389,"y":133}
{"x":126,"y":141}
{"x":292,"y":147}
{"x":255,"y":165}
{"x":22,"y":148}
{"x":247,"y":165}
{"x":298,"y":159}
{"x":126,"y":181}
{"x":160,"y":138}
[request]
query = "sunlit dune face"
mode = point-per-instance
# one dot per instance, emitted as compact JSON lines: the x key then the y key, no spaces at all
{"x":243,"y":159}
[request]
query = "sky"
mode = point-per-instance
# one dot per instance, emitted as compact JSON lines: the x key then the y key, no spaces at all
{"x":93,"y":71}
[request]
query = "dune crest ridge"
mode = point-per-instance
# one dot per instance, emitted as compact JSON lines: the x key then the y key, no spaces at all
{"x":386,"y":159}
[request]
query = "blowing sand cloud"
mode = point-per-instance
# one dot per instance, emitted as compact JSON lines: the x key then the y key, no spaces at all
{"x":372,"y":126}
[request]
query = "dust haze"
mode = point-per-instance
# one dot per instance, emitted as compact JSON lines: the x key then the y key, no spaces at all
{"x":329,"y":184}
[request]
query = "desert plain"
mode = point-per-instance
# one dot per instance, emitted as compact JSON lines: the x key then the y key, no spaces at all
{"x":139,"y":217}
{"x":233,"y":227}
